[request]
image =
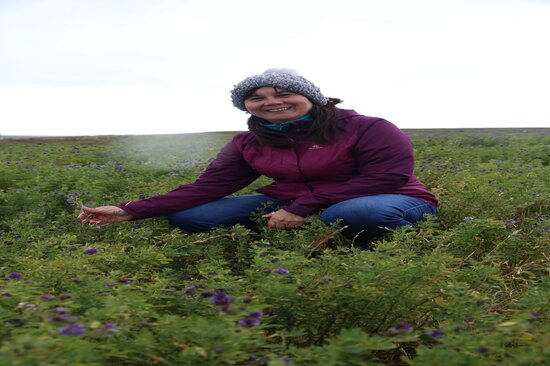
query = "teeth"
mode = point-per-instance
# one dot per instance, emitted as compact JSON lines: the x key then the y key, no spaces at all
{"x":278,"y":109}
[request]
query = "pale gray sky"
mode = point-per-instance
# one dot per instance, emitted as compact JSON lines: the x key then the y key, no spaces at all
{"x":96,"y":67}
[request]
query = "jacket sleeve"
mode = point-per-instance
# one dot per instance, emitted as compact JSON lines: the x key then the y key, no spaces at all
{"x":385,"y":162}
{"x":227,"y":174}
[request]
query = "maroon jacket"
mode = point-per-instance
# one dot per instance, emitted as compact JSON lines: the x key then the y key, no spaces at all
{"x":368,"y":156}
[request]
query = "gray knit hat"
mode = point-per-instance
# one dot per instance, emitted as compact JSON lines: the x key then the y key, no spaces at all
{"x":278,"y":78}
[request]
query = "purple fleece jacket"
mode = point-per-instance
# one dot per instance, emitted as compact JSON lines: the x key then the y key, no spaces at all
{"x":368,"y":156}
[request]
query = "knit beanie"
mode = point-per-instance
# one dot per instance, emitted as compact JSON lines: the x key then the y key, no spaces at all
{"x":278,"y":78}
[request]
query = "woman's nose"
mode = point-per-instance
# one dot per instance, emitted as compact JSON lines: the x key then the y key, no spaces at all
{"x":272,"y":100}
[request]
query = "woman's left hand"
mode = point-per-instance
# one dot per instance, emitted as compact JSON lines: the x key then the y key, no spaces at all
{"x":284,"y":220}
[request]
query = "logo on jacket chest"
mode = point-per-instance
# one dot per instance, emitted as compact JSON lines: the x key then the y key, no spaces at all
{"x":315,"y":147}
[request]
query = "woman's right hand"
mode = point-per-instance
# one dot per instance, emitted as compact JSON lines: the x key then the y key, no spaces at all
{"x":103,"y":215}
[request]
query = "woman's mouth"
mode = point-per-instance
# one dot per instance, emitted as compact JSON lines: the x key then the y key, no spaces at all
{"x":278,"y":109}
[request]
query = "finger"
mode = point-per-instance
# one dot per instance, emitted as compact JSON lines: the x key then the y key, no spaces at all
{"x":88,"y":210}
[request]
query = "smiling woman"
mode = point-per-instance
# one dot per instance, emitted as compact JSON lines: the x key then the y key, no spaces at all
{"x":277,"y":105}
{"x":350,"y":168}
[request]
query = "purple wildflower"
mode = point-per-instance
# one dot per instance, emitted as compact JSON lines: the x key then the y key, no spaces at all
{"x":124,"y":280}
{"x":144,"y":324}
{"x":401,"y":328}
{"x":15,"y":276}
{"x":47,"y":297}
{"x":482,"y":350}
{"x":16,"y":322}
{"x":61,"y":310}
{"x":72,"y":329}
{"x":251,"y":320}
{"x":468,"y":218}
{"x":90,"y":251}
{"x":63,"y":318}
{"x":281,"y":270}
{"x":110,"y":327}
{"x":221,"y":299}
{"x":436,"y":333}
{"x":190,"y":290}
{"x":207,"y":294}
{"x":218,"y":350}
{"x":72,"y":197}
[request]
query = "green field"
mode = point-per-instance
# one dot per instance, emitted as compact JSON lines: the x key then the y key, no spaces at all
{"x":468,"y":287}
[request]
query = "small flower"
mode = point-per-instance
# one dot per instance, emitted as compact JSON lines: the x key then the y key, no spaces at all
{"x":72,"y":329}
{"x":436,"y":333}
{"x":61,"y":310}
{"x":63,"y":318}
{"x":110,"y":327}
{"x":190,"y":290}
{"x":144,"y":324}
{"x":221,"y":299}
{"x":124,"y":280}
{"x":90,"y":251}
{"x":281,"y":270}
{"x":15,"y":276}
{"x":249,"y":322}
{"x":218,"y":350}
{"x":401,"y":328}
{"x":47,"y":297}
{"x":482,"y":350}
{"x":468,"y":218}
{"x":25,"y":305}
{"x":16,"y":322}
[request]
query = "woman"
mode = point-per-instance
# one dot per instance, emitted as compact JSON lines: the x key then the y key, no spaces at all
{"x":354,"y":169}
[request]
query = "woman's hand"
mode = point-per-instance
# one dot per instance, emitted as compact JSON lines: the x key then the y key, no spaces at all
{"x":103,"y":215}
{"x":284,"y":220}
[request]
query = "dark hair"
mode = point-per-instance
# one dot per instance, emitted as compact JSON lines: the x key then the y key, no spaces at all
{"x":323,"y":127}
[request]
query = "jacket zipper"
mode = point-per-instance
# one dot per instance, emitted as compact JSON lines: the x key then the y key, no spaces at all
{"x":296,"y":151}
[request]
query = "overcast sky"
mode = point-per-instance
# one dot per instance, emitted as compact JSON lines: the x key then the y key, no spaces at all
{"x":97,"y":67}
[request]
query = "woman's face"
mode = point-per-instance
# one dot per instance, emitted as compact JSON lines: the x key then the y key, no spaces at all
{"x":277,"y":105}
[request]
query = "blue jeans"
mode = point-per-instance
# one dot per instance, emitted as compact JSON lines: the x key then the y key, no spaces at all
{"x":366,"y":217}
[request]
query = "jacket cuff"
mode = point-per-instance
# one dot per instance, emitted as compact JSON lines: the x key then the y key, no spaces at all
{"x":298,"y":210}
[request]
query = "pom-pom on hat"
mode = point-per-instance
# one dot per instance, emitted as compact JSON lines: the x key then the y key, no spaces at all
{"x":277,"y":78}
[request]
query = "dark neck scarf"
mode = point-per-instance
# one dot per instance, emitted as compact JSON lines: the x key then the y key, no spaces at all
{"x":283,"y":126}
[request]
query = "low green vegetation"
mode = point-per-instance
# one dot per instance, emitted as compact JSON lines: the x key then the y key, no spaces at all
{"x":468,"y":287}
